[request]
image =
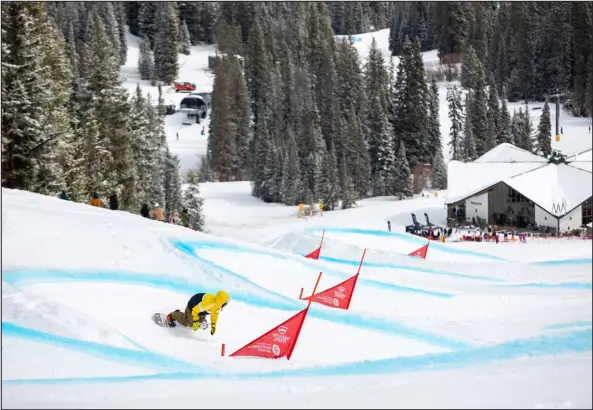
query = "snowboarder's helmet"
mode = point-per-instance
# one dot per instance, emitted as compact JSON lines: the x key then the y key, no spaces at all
{"x":222,"y":298}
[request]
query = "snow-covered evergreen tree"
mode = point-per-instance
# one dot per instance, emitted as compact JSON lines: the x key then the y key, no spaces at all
{"x":468,"y":144}
{"x":184,"y":42}
{"x":504,"y":134}
{"x":193,"y":202}
{"x":329,"y":182}
{"x":456,"y":118}
{"x":525,"y":135}
{"x":403,"y":185}
{"x":544,"y":132}
{"x":433,"y":143}
{"x":166,"y":43}
{"x":291,"y":191}
{"x":440,"y":172}
{"x":145,"y":63}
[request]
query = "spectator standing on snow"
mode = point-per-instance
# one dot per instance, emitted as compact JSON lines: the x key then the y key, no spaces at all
{"x":95,"y":200}
{"x":145,"y":211}
{"x":389,"y":225}
{"x":158,"y":213}
{"x":64,"y":195}
{"x":113,"y":204}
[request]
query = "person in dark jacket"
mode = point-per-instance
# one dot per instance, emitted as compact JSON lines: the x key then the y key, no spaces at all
{"x":184,"y":217}
{"x":64,"y":195}
{"x":113,"y":204}
{"x":145,"y":211}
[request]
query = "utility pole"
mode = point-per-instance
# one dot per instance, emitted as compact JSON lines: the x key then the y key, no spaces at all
{"x":556,"y":93}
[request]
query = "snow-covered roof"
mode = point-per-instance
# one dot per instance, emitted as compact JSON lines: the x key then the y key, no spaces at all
{"x":557,"y":189}
{"x":465,"y":179}
{"x":509,"y":153}
{"x":583,"y":161}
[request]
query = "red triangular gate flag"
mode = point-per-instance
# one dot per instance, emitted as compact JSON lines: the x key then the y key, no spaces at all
{"x":338,"y":296}
{"x":420,"y":252}
{"x":278,"y":342}
{"x":314,"y":254}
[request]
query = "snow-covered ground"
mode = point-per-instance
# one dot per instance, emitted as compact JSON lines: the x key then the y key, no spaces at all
{"x":191,"y":144}
{"x":475,"y":324}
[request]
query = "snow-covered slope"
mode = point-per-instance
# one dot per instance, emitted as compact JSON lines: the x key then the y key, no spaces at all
{"x":191,"y":144}
{"x":79,"y":285}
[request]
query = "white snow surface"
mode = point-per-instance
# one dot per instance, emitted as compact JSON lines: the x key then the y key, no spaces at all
{"x":502,"y":325}
{"x":474,"y":325}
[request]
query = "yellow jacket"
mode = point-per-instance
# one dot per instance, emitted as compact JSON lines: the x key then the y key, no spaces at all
{"x":209,"y":304}
{"x":95,"y":202}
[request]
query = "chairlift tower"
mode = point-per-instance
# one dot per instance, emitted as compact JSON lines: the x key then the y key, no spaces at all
{"x":555,"y":92}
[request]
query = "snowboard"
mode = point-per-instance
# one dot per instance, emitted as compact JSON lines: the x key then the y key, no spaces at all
{"x":161,"y":320}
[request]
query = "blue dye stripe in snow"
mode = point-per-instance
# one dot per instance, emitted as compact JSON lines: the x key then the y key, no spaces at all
{"x":439,"y":246}
{"x":579,"y":323}
{"x":166,"y":282}
{"x":565,"y":262}
{"x":366,"y":322}
{"x":410,"y":238}
{"x":562,"y":285}
{"x":576,"y":341}
{"x":191,"y":247}
{"x":411,"y":268}
{"x":118,"y":354}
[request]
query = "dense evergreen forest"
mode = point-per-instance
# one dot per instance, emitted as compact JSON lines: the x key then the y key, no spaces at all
{"x":304,"y":118}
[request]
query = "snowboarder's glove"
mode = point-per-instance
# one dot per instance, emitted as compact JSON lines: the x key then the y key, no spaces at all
{"x":212,"y":328}
{"x":195,"y":326}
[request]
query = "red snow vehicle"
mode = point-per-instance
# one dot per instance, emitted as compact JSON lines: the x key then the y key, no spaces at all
{"x":184,"y":86}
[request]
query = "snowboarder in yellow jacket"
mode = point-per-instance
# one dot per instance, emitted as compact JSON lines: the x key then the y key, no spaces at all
{"x":198,"y":307}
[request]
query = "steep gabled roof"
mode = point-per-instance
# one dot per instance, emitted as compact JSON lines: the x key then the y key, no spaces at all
{"x":557,"y":189}
{"x":508,"y":153}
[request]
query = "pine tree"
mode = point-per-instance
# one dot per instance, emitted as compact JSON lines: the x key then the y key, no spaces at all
{"x":357,"y":157}
{"x":456,"y":118}
{"x":478,"y":112}
{"x":329,"y":190}
{"x":440,"y":172}
{"x":173,"y":200}
{"x":411,"y":111}
{"x":147,"y":22}
{"x":121,"y":25}
{"x":184,"y":42}
{"x":145,"y":63}
{"x":468,"y":144}
{"x":544,"y":134}
{"x":504,"y":134}
{"x":193,"y":202}
{"x":525,"y":135}
{"x":492,"y":117}
{"x":434,"y":126}
{"x":347,"y":188}
{"x":25,"y":94}
{"x":403,"y":185}
{"x":291,"y":190}
{"x":166,"y":43}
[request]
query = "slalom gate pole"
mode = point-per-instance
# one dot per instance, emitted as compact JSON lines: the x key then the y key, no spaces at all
{"x":314,"y":289}
{"x":361,"y":260}
{"x":356,"y":280}
{"x":303,"y":321}
{"x":321,"y":243}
